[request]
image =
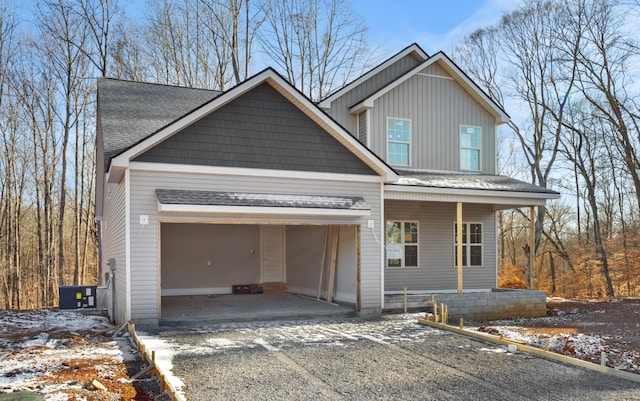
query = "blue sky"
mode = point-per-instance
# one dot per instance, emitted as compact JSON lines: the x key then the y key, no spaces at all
{"x":434,"y":24}
{"x":393,"y":24}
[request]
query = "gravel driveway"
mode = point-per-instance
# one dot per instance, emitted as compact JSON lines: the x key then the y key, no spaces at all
{"x":391,"y":358}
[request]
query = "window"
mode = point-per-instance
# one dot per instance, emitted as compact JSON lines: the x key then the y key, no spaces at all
{"x":398,"y":141}
{"x":402,"y":244}
{"x":469,"y":148}
{"x":471,"y":244}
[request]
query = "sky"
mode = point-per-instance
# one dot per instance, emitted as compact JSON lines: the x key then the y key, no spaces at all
{"x":434,"y":24}
{"x":393,"y":24}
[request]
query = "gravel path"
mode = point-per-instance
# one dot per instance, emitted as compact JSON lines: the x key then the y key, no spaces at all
{"x":391,"y":358}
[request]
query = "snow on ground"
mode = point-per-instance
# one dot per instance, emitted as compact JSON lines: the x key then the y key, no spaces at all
{"x":57,"y":353}
{"x":559,"y":334}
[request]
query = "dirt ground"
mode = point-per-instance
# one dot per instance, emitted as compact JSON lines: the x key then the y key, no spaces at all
{"x":614,"y":323}
{"x":57,"y":353}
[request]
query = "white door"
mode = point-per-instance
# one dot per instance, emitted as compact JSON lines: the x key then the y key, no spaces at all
{"x":272,"y":249}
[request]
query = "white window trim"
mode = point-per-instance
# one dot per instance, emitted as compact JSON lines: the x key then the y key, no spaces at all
{"x":386,"y":131}
{"x":479,"y":149}
{"x":417,"y":244}
{"x":468,"y":255}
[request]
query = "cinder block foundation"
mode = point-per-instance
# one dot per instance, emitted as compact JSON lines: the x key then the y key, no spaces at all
{"x":479,"y":306}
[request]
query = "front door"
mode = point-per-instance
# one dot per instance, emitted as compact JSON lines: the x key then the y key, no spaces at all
{"x":272,"y":249}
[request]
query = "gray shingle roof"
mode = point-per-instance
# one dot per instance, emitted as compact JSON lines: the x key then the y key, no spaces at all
{"x":453,"y":180}
{"x":212,"y":198}
{"x":132,"y":111}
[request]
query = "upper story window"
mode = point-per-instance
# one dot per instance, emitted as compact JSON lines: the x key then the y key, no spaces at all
{"x":470,"y":148}
{"x":398,"y":141}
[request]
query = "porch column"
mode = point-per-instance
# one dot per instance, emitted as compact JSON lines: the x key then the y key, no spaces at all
{"x":459,"y":244}
{"x":532,"y":245}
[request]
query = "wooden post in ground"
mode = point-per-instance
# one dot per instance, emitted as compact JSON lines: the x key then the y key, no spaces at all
{"x":532,"y":245}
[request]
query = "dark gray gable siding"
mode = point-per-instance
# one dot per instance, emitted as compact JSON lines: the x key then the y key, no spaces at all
{"x":132,"y":111}
{"x":260,"y":129}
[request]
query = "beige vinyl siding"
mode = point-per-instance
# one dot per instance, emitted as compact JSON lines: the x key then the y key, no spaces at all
{"x":145,"y":280}
{"x":209,"y":256}
{"x":436,"y":271}
{"x":436,"y":106}
{"x":340,"y":106}
{"x":114,"y":241}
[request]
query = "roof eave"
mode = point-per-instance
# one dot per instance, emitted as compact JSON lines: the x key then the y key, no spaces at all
{"x":488,"y":103}
{"x":269,"y":76}
{"x":413,"y":48}
{"x":503,"y":197}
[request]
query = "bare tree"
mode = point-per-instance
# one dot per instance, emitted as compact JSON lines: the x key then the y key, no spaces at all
{"x":319,"y":44}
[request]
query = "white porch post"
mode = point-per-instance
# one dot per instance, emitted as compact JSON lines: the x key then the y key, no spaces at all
{"x":459,"y":244}
{"x":532,"y":245}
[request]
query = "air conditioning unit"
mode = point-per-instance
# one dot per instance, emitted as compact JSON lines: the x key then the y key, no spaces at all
{"x":77,"y":296}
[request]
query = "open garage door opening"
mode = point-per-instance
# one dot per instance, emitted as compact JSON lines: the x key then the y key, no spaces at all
{"x":276,"y":270}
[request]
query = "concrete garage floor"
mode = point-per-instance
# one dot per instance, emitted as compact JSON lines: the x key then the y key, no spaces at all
{"x":199,"y":309}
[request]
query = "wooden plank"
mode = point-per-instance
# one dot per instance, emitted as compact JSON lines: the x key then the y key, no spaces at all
{"x":332,"y":268}
{"x":532,"y":350}
{"x":358,"y":263}
{"x":324,"y":257}
{"x":459,"y":247}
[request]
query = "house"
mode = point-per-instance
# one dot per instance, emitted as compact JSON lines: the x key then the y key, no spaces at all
{"x":359,"y":196}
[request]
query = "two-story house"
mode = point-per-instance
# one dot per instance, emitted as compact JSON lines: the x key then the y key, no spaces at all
{"x":389,"y":183}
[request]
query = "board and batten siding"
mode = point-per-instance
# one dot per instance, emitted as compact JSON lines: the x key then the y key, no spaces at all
{"x":340,"y":106}
{"x":145,"y":279}
{"x":437,"y":106}
{"x":437,"y":270}
{"x":114,"y":242}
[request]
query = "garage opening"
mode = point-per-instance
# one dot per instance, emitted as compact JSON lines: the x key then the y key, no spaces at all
{"x":298,"y":268}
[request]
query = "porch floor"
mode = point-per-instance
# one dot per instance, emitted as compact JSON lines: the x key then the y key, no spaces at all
{"x":199,"y":309}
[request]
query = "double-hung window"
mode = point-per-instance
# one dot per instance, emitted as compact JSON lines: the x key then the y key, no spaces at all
{"x":398,"y":141}
{"x":470,"y":148}
{"x":402,"y":244}
{"x":471,"y":244}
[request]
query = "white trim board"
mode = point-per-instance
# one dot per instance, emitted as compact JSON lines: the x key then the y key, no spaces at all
{"x":254,"y":210}
{"x":251,"y":172}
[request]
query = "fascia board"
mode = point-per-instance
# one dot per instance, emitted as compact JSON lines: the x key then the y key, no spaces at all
{"x":389,"y":189}
{"x":414,"y":48}
{"x":251,"y":210}
{"x":122,"y":160}
{"x":339,"y":133}
{"x":459,"y":76}
{"x":282,"y":86}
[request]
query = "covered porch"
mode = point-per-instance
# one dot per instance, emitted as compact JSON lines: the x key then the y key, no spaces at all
{"x":441,"y":241}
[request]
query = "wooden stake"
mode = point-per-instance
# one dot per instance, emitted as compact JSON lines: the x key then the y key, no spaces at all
{"x":332,"y":269}
{"x":405,"y":299}
{"x":324,"y":257}
{"x":461,"y":323}
{"x":358,"y":267}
